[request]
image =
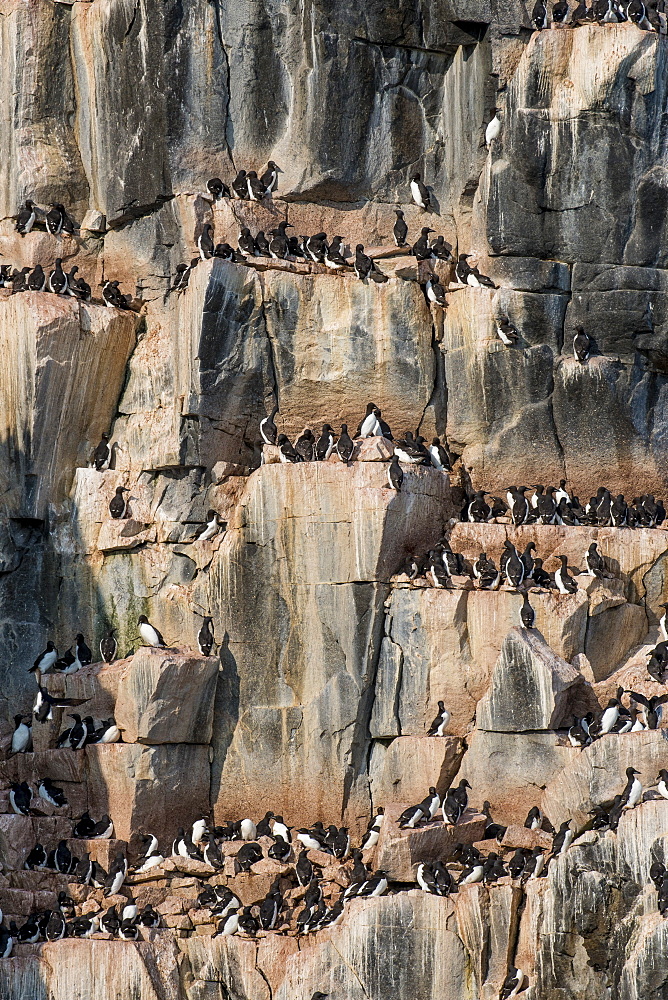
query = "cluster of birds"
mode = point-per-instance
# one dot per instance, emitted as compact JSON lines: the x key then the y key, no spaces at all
{"x":555,"y":505}
{"x":56,"y":222}
{"x":88,"y":730}
{"x":308,"y":448}
{"x":644,"y":15}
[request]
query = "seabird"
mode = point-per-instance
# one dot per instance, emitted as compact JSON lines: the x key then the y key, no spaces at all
{"x":58,"y":279}
{"x":55,"y":928}
{"x":369,"y":426}
{"x":652,"y":706}
{"x":594,"y":561}
{"x":527,"y":613}
{"x":562,"y":839}
{"x":268,"y":429}
{"x":287,"y":452}
{"x":48,"y":791}
{"x":512,"y":984}
{"x":421,"y":249}
{"x":539,"y":15}
{"x":62,"y":858}
{"x":37,"y":280}
{"x":210,"y":528}
{"x":610,"y":715}
{"x":25,"y":220}
{"x":334,"y":255}
{"x":218,"y":189}
{"x":419,"y":192}
{"x":149,"y":633}
{"x":108,"y":647}
{"x":440,"y":458}
{"x":118,"y":504}
{"x":54,"y":219}
{"x":364,"y":266}
{"x":559,"y":11}
{"x":440,"y":723}
{"x":345,"y":445}
{"x":278,"y":245}
{"x":240,"y":185}
{"x":581,"y":345}
{"x":325,"y":444}
{"x":513,"y":568}
{"x":475,"y":279}
{"x":435,"y":291}
{"x":20,"y":795}
{"x":84,"y":654}
{"x":493,"y":130}
{"x":305,"y":445}
{"x":256,"y":189}
{"x":370,"y":838}
{"x":116,"y":876}
{"x":102,"y":454}
{"x":632,"y":793}
{"x":279,"y":829}
{"x":565,"y":583}
{"x":400,"y":230}
{"x":205,"y":242}
{"x":246,"y":243}
{"x":205,"y":637}
{"x":269,"y":179}
{"x":22,"y":735}
{"x":506,"y":331}
{"x":395,"y":475}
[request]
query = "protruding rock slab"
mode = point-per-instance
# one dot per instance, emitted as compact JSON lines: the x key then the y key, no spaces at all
{"x":412,"y":762}
{"x":167,"y":697}
{"x":532,"y":688}
{"x":148,"y":788}
{"x":597,"y":773}
{"x":399,"y":851}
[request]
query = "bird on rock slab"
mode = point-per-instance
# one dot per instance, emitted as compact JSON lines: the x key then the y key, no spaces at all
{"x":149,"y":633}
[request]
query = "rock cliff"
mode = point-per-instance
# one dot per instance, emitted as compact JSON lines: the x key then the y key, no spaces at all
{"x":330,"y":660}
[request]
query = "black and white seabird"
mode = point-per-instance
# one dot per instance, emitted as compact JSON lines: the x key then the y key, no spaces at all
{"x":325,"y":444}
{"x":256,"y":189}
{"x":476,"y":280}
{"x":506,"y":331}
{"x":218,"y":189}
{"x":25,"y":220}
{"x":395,"y":475}
{"x":512,"y":984}
{"x":108,"y":647}
{"x":462,"y":269}
{"x":439,"y":456}
{"x":435,"y":291}
{"x":594,"y":561}
{"x":563,"y":838}
{"x":278,"y":245}
{"x":240,"y":185}
{"x":305,"y":445}
{"x":334,"y":258}
{"x":210,"y":528}
{"x":268,"y":429}
{"x":440,"y":723}
{"x":116,"y":877}
{"x":22,"y":735}
{"x":610,"y":715}
{"x":370,"y":838}
{"x":205,"y":638}
{"x":58,"y":279}
{"x":37,"y":279}
{"x":369,"y":426}
{"x":513,"y":567}
{"x":539,"y":15}
{"x":400,"y":230}
{"x":55,"y":928}
{"x":559,"y":11}
{"x":365,"y":266}
{"x":345,"y":446}
{"x":419,"y":192}
{"x":78,"y":732}
{"x":478,"y":510}
{"x":527,"y":613}
{"x":46,"y":660}
{"x":118,"y":504}
{"x":632,"y":793}
{"x":102,"y":454}
{"x":149,"y":633}
{"x":564,"y":581}
{"x":20,"y":795}
{"x":269,"y":178}
{"x":182,"y":275}
{"x":653,"y":707}
{"x":205,"y":242}
{"x":54,"y":220}
{"x":246,"y":243}
{"x":51,"y":794}
{"x":83,"y":653}
{"x":287,"y":453}
{"x":581,"y":345}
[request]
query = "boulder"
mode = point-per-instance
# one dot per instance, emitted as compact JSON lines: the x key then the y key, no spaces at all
{"x":166,"y":697}
{"x":531,"y":687}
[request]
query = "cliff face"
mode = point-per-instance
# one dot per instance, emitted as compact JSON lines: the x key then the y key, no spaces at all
{"x":329,"y":662}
